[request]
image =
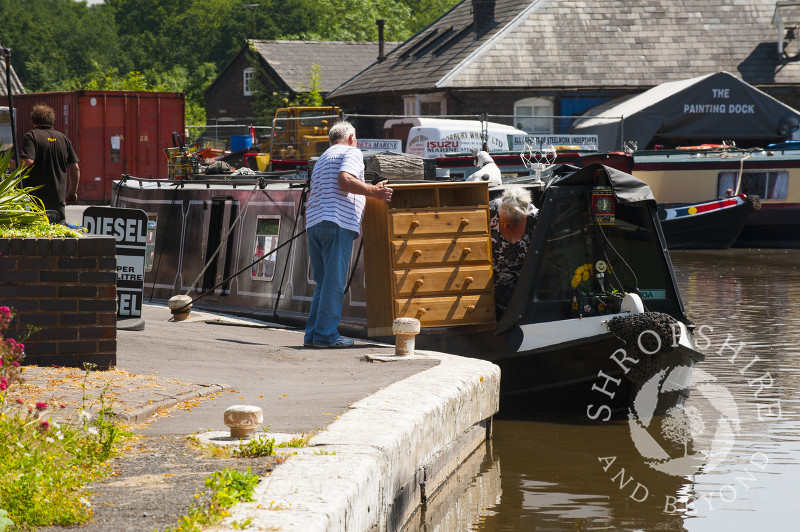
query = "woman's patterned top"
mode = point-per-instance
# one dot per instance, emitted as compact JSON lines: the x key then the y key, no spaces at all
{"x":507,"y":257}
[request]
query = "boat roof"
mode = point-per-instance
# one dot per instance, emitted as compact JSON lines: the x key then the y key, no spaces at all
{"x":626,"y":188}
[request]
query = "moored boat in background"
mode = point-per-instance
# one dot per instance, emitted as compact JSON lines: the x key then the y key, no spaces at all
{"x":695,"y":175}
{"x":712,"y":224}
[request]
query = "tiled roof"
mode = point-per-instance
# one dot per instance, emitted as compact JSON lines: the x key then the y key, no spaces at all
{"x":16,"y":84}
{"x":586,"y":44}
{"x":338,"y":61}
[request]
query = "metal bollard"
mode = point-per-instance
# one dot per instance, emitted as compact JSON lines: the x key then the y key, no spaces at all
{"x":405,"y":331}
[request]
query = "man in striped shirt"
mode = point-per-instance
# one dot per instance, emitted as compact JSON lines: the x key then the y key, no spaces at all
{"x":333,"y":220}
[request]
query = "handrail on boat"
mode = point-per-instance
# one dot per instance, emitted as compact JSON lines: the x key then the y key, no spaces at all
{"x":264,"y":178}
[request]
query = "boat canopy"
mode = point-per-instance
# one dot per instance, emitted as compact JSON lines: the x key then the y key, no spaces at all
{"x":626,"y":188}
{"x":709,"y":108}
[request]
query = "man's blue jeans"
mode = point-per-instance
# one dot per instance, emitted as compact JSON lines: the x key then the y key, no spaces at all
{"x":329,"y":247}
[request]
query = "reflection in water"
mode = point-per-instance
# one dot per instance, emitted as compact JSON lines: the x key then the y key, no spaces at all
{"x":741,"y":425}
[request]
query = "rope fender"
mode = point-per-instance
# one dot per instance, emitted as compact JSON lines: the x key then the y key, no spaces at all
{"x":653,"y":330}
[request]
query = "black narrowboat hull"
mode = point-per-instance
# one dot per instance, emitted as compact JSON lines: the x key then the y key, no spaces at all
{"x":714,"y":224}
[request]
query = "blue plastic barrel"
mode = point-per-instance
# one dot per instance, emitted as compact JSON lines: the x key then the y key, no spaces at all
{"x":240,"y":142}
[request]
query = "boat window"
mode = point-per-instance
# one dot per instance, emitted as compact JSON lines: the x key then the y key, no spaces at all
{"x":150,"y":246}
{"x":766,"y":185}
{"x":266,"y":239}
{"x":567,"y":281}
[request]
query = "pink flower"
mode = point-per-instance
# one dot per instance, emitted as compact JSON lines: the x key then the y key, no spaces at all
{"x":14,"y":363}
{"x":44,"y":425}
{"x":3,"y":386}
{"x":62,"y":406}
{"x":19,"y":400}
{"x":41,"y":406}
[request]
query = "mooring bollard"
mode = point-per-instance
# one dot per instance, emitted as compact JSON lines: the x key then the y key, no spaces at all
{"x":405,"y":331}
{"x":243,"y":420}
{"x":180,"y":306}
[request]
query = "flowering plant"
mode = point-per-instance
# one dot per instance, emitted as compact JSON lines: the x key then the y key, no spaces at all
{"x":45,"y":465}
{"x":11,"y":353}
{"x":582,"y":273}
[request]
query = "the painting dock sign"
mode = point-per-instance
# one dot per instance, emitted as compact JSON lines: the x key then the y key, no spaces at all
{"x":129,"y":228}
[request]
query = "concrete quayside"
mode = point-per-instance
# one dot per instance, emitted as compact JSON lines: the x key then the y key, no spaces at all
{"x":390,"y":453}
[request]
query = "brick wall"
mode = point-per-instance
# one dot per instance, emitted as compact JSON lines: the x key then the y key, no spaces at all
{"x":67,"y":289}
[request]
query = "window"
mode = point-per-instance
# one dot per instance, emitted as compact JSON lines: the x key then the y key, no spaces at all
{"x":533,"y":115}
{"x":267,"y":229}
{"x":766,"y":185}
{"x":247,"y":81}
{"x":425,"y":104}
{"x":150,"y":246}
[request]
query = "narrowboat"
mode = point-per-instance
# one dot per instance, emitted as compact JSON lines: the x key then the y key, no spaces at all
{"x":712,"y":224}
{"x":597,"y":279}
{"x":696,"y":174}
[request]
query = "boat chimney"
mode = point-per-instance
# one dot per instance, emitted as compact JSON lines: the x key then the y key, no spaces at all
{"x":381,"y":55}
{"x":482,"y":17}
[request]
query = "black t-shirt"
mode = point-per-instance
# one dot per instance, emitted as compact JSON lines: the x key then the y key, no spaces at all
{"x":51,"y":152}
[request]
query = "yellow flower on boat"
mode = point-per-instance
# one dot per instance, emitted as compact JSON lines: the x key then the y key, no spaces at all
{"x":582,"y":273}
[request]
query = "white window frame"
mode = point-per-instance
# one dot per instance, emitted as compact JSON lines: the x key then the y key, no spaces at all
{"x":258,"y":271}
{"x":247,"y":81}
{"x":534,"y":103}
{"x":413,"y":102}
{"x":774,"y":182}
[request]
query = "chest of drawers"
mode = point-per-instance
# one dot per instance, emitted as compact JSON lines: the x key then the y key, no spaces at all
{"x":427,"y":255}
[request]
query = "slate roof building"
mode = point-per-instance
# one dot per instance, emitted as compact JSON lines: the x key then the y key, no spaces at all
{"x":285,"y":66}
{"x":16,"y":84}
{"x":524,"y":62}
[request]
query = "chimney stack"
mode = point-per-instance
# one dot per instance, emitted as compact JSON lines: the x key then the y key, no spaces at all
{"x":381,"y":55}
{"x":482,"y":16}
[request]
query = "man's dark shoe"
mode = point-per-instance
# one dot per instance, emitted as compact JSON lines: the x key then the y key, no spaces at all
{"x":342,"y":341}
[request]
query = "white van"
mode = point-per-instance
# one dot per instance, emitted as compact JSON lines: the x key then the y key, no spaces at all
{"x":433,"y":137}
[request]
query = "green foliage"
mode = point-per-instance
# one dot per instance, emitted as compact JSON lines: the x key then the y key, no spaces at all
{"x":181,"y":44}
{"x":45,"y":466}
{"x":255,"y":448}
{"x":23,"y":215}
{"x":17,"y":207}
{"x":229,"y":487}
{"x":310,"y":97}
{"x":302,"y":441}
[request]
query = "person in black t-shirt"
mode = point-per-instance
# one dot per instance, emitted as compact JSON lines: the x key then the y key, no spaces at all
{"x":54,"y":163}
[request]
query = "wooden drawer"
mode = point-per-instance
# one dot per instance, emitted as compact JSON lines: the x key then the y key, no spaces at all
{"x":437,"y":311}
{"x":425,"y":281}
{"x":422,"y":223}
{"x":464,"y":250}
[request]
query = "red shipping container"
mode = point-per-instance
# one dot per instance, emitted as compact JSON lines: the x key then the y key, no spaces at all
{"x":113,"y":133}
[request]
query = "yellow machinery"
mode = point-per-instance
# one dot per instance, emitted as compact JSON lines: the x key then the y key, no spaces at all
{"x":298,"y":133}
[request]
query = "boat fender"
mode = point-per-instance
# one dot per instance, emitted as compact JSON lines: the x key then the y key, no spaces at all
{"x":632,"y":303}
{"x":754,"y":203}
{"x":646,"y":336}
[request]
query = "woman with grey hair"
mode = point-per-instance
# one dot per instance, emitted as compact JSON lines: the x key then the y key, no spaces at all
{"x":512,"y":219}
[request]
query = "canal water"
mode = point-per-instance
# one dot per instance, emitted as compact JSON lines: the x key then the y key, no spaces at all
{"x":733,"y":463}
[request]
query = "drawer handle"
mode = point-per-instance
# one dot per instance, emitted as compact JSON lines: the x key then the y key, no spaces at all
{"x":467,"y":251}
{"x":468,"y":280}
{"x":415,"y":224}
{"x":464,"y":221}
{"x":418,"y":283}
{"x":417,"y":252}
{"x":420,"y":311}
{"x":471,"y":308}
